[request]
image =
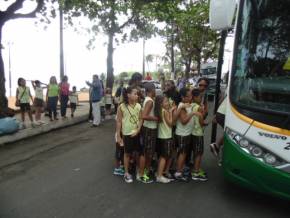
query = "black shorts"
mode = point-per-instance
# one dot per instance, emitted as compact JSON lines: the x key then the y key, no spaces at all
{"x":165,"y":147}
{"x":183,"y":143}
{"x":38,"y":102}
{"x":103,"y":111}
{"x":119,"y":154}
{"x":149,"y":137}
{"x":197,"y":145}
{"x":108,"y":106}
{"x":73,"y":106}
{"x":131,"y":144}
{"x":220,"y":119}
{"x":25,"y":107}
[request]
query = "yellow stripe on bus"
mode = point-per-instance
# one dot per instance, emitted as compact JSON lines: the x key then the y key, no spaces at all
{"x":261,"y":125}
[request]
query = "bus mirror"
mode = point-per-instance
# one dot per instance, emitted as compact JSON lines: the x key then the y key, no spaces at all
{"x":221,"y":14}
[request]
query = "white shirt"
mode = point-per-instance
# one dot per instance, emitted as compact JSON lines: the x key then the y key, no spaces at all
{"x":39,"y":93}
{"x":73,"y":98}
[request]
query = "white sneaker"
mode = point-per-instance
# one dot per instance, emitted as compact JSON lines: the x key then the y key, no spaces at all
{"x":38,"y":122}
{"x":22,"y":126}
{"x":162,"y":179}
{"x":41,"y":122}
{"x":128,"y":178}
{"x":35,"y":124}
{"x":138,"y":177}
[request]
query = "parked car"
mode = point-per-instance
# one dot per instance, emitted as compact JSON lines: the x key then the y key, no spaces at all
{"x":156,"y":84}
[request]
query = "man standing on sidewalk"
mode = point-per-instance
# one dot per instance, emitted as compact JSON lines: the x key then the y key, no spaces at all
{"x":96,"y":96}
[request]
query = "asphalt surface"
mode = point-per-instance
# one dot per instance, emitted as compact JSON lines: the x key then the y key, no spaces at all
{"x":74,"y":179}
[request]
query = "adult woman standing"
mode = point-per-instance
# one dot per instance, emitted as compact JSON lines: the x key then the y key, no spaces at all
{"x":52,"y":97}
{"x":64,"y":93}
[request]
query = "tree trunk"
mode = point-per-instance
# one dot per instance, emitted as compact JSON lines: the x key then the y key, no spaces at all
{"x":198,"y":66}
{"x":187,"y":69}
{"x":172,"y":52}
{"x":3,"y":105}
{"x":110,"y":69}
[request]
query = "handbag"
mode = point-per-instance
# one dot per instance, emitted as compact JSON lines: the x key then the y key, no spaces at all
{"x":17,"y":103}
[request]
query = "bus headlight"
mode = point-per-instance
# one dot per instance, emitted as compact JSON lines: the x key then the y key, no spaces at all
{"x":270,"y":159}
{"x":255,"y":150}
{"x":244,"y":143}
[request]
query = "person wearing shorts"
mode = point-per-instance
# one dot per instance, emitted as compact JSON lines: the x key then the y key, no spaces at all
{"x":73,"y":99}
{"x":220,"y":119}
{"x":148,"y":134}
{"x":38,"y":102}
{"x":119,"y":159}
{"x":197,"y":137}
{"x":165,"y":140}
{"x":184,"y":126}
{"x":23,"y":97}
{"x":129,"y":123}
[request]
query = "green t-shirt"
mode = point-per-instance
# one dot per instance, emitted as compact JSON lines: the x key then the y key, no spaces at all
{"x":130,"y":120}
{"x":181,"y":129}
{"x":23,"y":95}
{"x":164,"y":131}
{"x":197,"y":128}
{"x":53,"y":90}
{"x":148,"y":123}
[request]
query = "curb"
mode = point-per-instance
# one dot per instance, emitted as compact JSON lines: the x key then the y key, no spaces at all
{"x":30,"y":132}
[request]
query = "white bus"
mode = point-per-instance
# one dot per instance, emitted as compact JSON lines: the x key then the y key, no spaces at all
{"x":256,"y":150}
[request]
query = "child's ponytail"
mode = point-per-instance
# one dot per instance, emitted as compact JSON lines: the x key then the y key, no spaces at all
{"x":158,"y":106}
{"x":125,"y":93}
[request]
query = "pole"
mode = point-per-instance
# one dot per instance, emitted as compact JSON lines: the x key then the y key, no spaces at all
{"x":61,"y":61}
{"x":10,"y":83}
{"x":143,"y":62}
{"x":172,"y":50}
{"x":218,"y":80}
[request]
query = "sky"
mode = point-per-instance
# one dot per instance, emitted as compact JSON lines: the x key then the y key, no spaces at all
{"x":34,"y":52}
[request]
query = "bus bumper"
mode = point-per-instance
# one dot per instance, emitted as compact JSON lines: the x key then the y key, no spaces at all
{"x":244,"y":170}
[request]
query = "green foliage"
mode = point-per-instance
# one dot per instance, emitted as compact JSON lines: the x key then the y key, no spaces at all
{"x":187,"y":24}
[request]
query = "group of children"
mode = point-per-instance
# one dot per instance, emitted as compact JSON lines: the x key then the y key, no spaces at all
{"x":160,"y":132}
{"x":55,"y":92}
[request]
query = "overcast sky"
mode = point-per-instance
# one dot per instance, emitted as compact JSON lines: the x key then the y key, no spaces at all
{"x":35,"y":53}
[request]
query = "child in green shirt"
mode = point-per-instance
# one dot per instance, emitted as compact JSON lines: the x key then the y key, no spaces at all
{"x":164,"y":114}
{"x":197,"y":137}
{"x":129,"y":122}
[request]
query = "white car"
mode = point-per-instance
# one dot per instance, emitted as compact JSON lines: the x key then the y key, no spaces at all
{"x":156,"y":84}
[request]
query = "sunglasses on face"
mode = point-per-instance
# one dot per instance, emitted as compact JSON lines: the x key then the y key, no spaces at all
{"x":202,"y":85}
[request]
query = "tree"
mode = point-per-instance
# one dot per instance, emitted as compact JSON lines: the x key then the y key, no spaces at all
{"x":11,"y":14}
{"x":196,"y":41}
{"x":112,"y":17}
{"x":149,"y":59}
{"x":187,"y":27}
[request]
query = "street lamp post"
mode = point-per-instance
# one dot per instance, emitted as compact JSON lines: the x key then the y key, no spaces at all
{"x":61,"y":42}
{"x":143,"y":61}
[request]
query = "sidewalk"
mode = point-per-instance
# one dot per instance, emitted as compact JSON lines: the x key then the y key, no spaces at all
{"x":80,"y":115}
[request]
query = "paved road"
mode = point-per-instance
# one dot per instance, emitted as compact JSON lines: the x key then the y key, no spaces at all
{"x":75,"y":179}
